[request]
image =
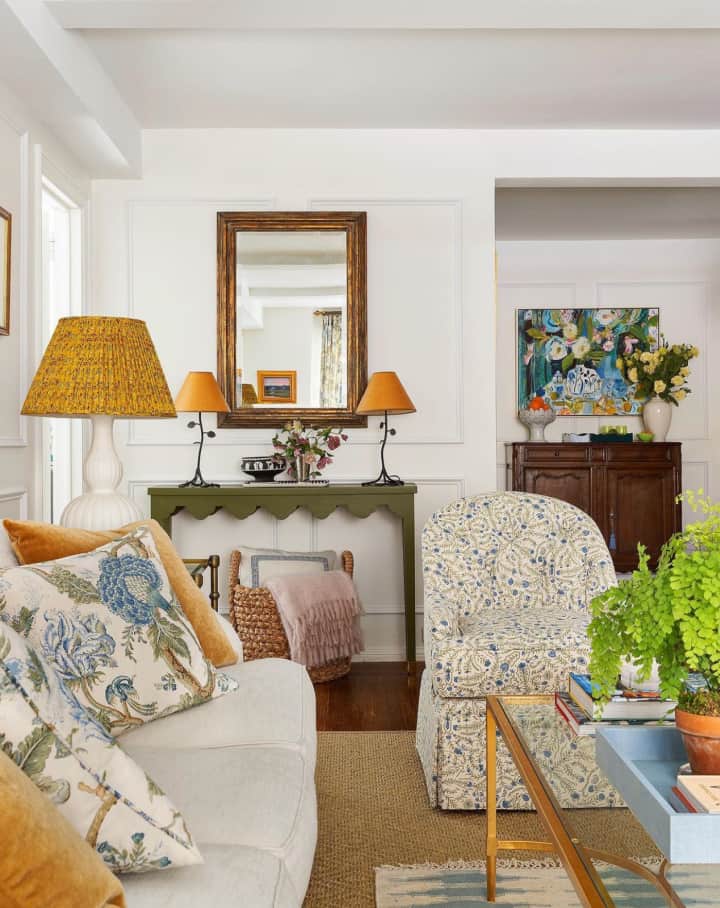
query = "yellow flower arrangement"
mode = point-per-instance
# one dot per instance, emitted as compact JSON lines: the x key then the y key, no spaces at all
{"x":663,"y":372}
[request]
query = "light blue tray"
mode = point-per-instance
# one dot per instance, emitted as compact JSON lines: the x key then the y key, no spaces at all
{"x":642,"y":763}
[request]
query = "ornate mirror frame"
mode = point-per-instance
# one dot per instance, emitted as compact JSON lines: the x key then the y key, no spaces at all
{"x":353,"y":223}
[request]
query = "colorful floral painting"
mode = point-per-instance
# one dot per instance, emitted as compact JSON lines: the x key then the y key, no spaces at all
{"x":574,"y":358}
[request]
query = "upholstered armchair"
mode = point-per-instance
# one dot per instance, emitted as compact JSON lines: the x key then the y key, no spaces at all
{"x":508,"y":580}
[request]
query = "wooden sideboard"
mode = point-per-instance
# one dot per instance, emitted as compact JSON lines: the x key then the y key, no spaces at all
{"x":629,"y":490}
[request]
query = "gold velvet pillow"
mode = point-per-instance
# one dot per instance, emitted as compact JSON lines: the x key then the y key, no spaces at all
{"x":43,"y":860}
{"x":33,"y":542}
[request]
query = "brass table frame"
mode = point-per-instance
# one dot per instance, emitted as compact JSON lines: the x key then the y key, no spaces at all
{"x":575,"y":857}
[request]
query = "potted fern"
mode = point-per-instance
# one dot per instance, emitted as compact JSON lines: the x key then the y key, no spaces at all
{"x":672,"y":617}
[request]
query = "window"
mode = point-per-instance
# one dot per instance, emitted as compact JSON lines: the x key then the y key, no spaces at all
{"x":61,"y":296}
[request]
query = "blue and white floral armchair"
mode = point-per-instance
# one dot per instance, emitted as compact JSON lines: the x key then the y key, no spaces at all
{"x":508,"y":580}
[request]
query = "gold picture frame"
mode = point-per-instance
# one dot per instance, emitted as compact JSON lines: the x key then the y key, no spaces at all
{"x":5,"y":261}
{"x":277,"y":386}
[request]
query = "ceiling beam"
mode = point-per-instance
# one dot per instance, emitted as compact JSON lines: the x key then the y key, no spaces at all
{"x":386,"y":14}
{"x":64,"y":85}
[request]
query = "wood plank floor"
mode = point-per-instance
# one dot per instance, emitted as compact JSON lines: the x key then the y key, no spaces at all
{"x":375,"y":696}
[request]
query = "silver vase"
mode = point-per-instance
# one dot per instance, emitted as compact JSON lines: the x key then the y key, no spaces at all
{"x":302,"y":469}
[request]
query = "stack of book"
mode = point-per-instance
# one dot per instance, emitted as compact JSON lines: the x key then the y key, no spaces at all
{"x":584,"y":714}
{"x":696,"y":794}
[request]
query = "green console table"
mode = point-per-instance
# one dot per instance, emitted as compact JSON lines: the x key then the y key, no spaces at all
{"x":243,"y":500}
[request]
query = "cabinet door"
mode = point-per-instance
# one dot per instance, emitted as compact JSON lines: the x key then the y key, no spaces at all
{"x":640,"y":508}
{"x":571,"y":484}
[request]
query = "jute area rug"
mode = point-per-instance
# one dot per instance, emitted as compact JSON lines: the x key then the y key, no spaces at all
{"x":373,"y":811}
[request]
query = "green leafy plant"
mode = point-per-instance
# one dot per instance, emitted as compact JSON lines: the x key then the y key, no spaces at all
{"x":671,"y":616}
{"x":663,"y":371}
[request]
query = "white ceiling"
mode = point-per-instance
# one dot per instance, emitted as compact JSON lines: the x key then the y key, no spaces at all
{"x":415,"y":78}
{"x":131,"y":64}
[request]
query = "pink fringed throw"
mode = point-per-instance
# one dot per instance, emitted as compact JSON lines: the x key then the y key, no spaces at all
{"x":320,"y":614}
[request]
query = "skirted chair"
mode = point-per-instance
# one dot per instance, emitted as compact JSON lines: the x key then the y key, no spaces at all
{"x":508,"y":580}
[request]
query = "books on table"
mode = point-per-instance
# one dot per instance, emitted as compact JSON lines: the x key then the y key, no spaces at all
{"x":584,"y":715}
{"x":581,"y":724}
{"x":628,"y":705}
{"x":699,"y":793}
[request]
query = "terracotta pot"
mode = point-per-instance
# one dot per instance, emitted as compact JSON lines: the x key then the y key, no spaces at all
{"x":701,"y":736}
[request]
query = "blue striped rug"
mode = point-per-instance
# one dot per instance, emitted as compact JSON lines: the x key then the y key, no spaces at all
{"x":530,"y":885}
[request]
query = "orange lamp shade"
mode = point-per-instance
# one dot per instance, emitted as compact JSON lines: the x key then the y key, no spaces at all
{"x":97,"y":365}
{"x":200,"y":393}
{"x":385,"y":394}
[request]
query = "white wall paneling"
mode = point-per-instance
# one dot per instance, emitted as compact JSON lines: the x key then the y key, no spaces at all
{"x":14,"y":504}
{"x":415,"y":246}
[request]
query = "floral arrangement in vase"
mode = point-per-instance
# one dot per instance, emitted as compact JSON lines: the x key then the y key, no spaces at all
{"x":307,"y":451}
{"x":663,"y":372}
{"x":660,"y":376}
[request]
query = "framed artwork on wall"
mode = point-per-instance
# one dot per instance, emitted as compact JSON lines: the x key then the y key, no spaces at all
{"x":277,"y":387}
{"x":573,"y":357}
{"x":5,"y":238}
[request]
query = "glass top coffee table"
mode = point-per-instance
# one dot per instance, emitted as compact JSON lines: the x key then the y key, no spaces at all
{"x":524,"y":722}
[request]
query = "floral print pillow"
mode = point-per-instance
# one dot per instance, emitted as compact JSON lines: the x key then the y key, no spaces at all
{"x":110,"y":625}
{"x":101,"y":791}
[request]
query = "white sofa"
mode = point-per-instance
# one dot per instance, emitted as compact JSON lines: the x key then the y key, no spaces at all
{"x":241,"y":769}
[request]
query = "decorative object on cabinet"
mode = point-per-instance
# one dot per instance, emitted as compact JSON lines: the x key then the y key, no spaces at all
{"x":103,"y":368}
{"x":646,"y":437}
{"x":254,"y":615}
{"x":307,"y":451}
{"x":263,"y":469}
{"x":536,"y":416}
{"x":657,"y":416}
{"x":274,"y":270}
{"x":277,"y":387}
{"x":281,"y":500}
{"x":664,"y":616}
{"x":661,"y":379}
{"x":629,"y":490}
{"x":572,"y":354}
{"x":385,"y":394}
{"x":5,"y":263}
{"x":200,"y":392}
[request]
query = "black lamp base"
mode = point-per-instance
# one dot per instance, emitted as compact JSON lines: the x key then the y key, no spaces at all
{"x":198,"y":482}
{"x":385,"y":478}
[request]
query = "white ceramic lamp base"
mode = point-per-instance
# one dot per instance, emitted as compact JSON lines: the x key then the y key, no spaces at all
{"x":101,"y":507}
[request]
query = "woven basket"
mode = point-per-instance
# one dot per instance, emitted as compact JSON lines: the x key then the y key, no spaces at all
{"x":255,"y":617}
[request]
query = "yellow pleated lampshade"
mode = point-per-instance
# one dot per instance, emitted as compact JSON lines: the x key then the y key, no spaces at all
{"x":200,"y":393}
{"x":97,"y":365}
{"x":385,"y":394}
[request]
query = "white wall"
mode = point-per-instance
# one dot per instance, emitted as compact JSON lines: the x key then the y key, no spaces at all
{"x":681,"y":277}
{"x":26,"y":152}
{"x":429,"y":196}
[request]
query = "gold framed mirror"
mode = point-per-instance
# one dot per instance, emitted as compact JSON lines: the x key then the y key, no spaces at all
{"x":292,"y":317}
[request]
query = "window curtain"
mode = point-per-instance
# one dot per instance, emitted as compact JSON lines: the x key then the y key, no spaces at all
{"x":332,"y":372}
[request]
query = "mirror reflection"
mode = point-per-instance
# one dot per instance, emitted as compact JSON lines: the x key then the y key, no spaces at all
{"x":291,"y":319}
